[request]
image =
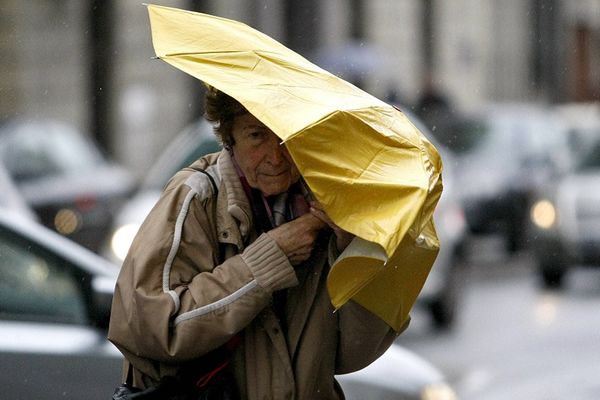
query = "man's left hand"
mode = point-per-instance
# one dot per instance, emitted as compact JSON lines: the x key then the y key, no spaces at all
{"x":343,"y":238}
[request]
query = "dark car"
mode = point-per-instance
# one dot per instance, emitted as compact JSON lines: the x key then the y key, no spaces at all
{"x":55,"y":301}
{"x":65,"y":179}
{"x":505,"y":153}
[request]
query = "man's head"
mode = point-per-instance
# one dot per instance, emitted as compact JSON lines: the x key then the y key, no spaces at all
{"x":261,"y":156}
{"x":221,"y":109}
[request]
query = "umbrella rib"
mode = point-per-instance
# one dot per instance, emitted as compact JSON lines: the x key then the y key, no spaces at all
{"x":192,"y":53}
{"x":271,"y":56}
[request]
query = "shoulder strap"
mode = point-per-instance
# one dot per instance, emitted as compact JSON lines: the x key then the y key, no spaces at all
{"x":212,"y":180}
{"x":195,"y":181}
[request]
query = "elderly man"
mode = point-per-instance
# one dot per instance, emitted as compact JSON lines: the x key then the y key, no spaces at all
{"x":223,"y":293}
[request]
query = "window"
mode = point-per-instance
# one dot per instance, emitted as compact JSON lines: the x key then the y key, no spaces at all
{"x":36,"y":150}
{"x":35,"y":285}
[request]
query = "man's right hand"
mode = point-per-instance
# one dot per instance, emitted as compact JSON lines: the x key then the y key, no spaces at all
{"x":297,"y":238}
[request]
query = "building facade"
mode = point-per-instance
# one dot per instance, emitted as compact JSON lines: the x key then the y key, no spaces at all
{"x":90,"y":62}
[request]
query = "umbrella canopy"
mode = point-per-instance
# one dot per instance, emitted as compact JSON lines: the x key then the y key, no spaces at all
{"x":373,"y":172}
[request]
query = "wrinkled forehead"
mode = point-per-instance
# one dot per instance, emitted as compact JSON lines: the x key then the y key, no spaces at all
{"x":248,"y":121}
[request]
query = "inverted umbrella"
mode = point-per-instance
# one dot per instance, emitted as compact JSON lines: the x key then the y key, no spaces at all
{"x":373,"y":172}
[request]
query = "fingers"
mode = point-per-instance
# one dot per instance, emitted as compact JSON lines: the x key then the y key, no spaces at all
{"x":310,"y":222}
{"x":297,"y":238}
{"x":343,"y":238}
{"x":320,"y":214}
{"x":317,"y":210}
{"x":300,"y":255}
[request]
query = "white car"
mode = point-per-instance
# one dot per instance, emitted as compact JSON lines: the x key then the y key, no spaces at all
{"x":193,"y":142}
{"x":55,"y":301}
{"x":441,"y":293}
{"x":64,"y":177}
{"x":11,"y":198}
{"x":398,"y":374}
{"x":565,"y":220}
{"x":506,"y":152}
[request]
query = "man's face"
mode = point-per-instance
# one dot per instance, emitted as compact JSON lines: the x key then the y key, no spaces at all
{"x":265,"y":162}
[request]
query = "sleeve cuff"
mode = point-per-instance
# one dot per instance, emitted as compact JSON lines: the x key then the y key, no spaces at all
{"x":269,"y":265}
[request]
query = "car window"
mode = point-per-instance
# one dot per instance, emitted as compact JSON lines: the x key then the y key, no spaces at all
{"x":36,"y":286}
{"x":33,"y":152}
{"x":592,"y":158}
{"x":467,"y":134}
{"x":189,"y":146}
{"x":507,"y":139}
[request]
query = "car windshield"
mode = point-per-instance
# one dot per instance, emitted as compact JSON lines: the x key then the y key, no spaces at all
{"x":592,"y":158}
{"x":500,"y":139}
{"x":35,"y":151}
{"x":193,"y":142}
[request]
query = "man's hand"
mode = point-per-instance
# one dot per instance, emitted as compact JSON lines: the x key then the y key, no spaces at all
{"x":297,"y":238}
{"x":342,"y":237}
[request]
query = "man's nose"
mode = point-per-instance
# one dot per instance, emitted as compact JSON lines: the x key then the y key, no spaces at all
{"x":276,"y":154}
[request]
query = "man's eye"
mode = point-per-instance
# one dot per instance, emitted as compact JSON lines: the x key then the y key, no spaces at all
{"x":257,"y":135}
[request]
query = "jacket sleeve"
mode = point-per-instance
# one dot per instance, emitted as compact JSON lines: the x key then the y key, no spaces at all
{"x":363,"y":337}
{"x":173,"y":300}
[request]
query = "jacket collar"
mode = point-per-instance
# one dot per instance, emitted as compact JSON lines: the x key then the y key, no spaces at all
{"x":234,"y":212}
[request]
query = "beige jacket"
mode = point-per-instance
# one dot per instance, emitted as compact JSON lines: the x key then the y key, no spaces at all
{"x":197,"y":274}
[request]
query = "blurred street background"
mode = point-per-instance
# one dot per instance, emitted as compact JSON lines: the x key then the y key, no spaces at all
{"x":92,"y":127}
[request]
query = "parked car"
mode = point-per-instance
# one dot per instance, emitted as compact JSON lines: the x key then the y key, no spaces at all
{"x":398,"y":374}
{"x":505,"y":153}
{"x":583,"y":124}
{"x":11,"y":198}
{"x":196,"y":140}
{"x":64,"y":177}
{"x":565,"y":220}
{"x":55,"y":301}
{"x":441,"y":293}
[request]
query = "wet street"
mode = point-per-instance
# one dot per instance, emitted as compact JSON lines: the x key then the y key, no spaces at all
{"x":514,"y":340}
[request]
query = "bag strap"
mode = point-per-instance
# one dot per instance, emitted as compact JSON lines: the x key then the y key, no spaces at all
{"x":213,"y":174}
{"x":226,"y":354}
{"x":212,"y":177}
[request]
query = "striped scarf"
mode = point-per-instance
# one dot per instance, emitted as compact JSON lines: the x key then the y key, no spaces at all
{"x":272,"y":211}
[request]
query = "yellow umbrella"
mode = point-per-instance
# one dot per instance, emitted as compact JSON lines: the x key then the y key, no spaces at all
{"x":373,"y":172}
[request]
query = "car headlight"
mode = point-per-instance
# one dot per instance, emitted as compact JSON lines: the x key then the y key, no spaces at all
{"x":438,"y":391}
{"x":543,"y":214}
{"x":122,"y":239}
